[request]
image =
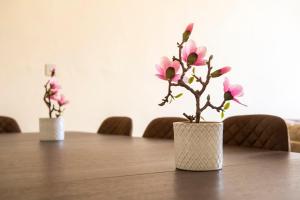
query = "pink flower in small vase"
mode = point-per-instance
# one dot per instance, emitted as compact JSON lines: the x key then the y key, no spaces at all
{"x":167,"y":70}
{"x":231,"y":92}
{"x":220,"y":72}
{"x":193,"y":55}
{"x":62,"y":101}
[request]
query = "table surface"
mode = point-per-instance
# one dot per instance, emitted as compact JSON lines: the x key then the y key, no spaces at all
{"x":91,"y":166}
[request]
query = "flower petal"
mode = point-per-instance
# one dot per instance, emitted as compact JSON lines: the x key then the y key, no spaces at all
{"x":226,"y":84}
{"x":176,"y":77}
{"x":165,"y":63}
{"x":201,"y":51}
{"x":184,"y":54}
{"x":236,"y":100}
{"x":236,"y":90}
{"x":190,"y":47}
{"x":200,"y":61}
{"x":159,"y":69}
{"x":161,"y":76}
{"x":176,"y":65}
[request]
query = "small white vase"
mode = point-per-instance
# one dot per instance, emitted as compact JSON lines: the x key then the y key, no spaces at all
{"x":52,"y":129}
{"x":198,"y":146}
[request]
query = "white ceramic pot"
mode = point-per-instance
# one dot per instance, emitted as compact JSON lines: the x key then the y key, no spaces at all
{"x":52,"y":129}
{"x":198,"y":146}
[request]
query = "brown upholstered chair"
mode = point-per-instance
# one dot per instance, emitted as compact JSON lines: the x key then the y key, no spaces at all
{"x":116,"y":126}
{"x":9,"y":125}
{"x":162,"y":127}
{"x":260,"y":131}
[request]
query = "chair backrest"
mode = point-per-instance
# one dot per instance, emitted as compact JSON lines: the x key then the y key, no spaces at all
{"x":162,"y":127}
{"x":116,"y":126}
{"x":260,"y":131}
{"x":9,"y":125}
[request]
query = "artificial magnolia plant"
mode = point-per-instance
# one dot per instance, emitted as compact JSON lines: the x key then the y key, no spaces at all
{"x":181,"y":72}
{"x":53,"y":98}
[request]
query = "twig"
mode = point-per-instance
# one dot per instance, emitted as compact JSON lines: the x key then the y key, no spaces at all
{"x":191,"y":118}
{"x":169,"y":94}
{"x":217,"y":108}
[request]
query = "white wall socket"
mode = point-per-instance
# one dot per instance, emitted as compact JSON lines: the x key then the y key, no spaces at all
{"x":48,"y":69}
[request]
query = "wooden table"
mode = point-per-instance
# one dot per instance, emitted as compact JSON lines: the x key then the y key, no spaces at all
{"x":90,"y":166}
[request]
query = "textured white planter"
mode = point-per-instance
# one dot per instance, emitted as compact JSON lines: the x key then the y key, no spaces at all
{"x":198,"y":146}
{"x":52,"y":129}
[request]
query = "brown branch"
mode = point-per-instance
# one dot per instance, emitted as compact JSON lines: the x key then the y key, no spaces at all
{"x":191,"y":118}
{"x":181,"y":83}
{"x":209,"y":68}
{"x":169,"y":94}
{"x":46,"y":98}
{"x":208,"y":104}
{"x":199,"y":79}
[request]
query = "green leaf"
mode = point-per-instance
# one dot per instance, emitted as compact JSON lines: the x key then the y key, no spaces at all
{"x":178,"y":95}
{"x":193,"y":70}
{"x":192,"y":58}
{"x":191,"y":79}
{"x":222,"y":114}
{"x":227,"y":105}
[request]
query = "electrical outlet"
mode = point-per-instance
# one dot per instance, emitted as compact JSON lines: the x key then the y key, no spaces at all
{"x":48,"y":69}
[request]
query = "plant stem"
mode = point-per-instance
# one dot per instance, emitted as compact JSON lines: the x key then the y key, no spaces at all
{"x":198,"y":111}
{"x":47,"y":99}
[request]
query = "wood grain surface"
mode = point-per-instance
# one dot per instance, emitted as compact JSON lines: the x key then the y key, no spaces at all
{"x":94,"y":166}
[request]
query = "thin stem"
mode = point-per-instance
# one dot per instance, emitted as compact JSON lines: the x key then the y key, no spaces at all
{"x":198,"y":111}
{"x":169,"y":94}
{"x":209,"y":68}
{"x":47,"y":99}
{"x":191,"y":118}
{"x":199,"y":79}
{"x":208,"y":104}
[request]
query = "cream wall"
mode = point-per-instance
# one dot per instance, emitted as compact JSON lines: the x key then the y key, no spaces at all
{"x":106,"y":51}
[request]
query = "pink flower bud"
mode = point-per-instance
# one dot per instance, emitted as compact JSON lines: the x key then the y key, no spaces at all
{"x":189,"y":27}
{"x":220,"y":72}
{"x":225,"y":69}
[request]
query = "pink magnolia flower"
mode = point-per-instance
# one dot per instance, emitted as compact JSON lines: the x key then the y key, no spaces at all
{"x":193,"y":55}
{"x":189,"y":27}
{"x":54,"y":97}
{"x":220,"y":72}
{"x":54,"y":88}
{"x":231,"y":92}
{"x":54,"y":84}
{"x":53,"y":92}
{"x":167,"y":70}
{"x":62,"y":100}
